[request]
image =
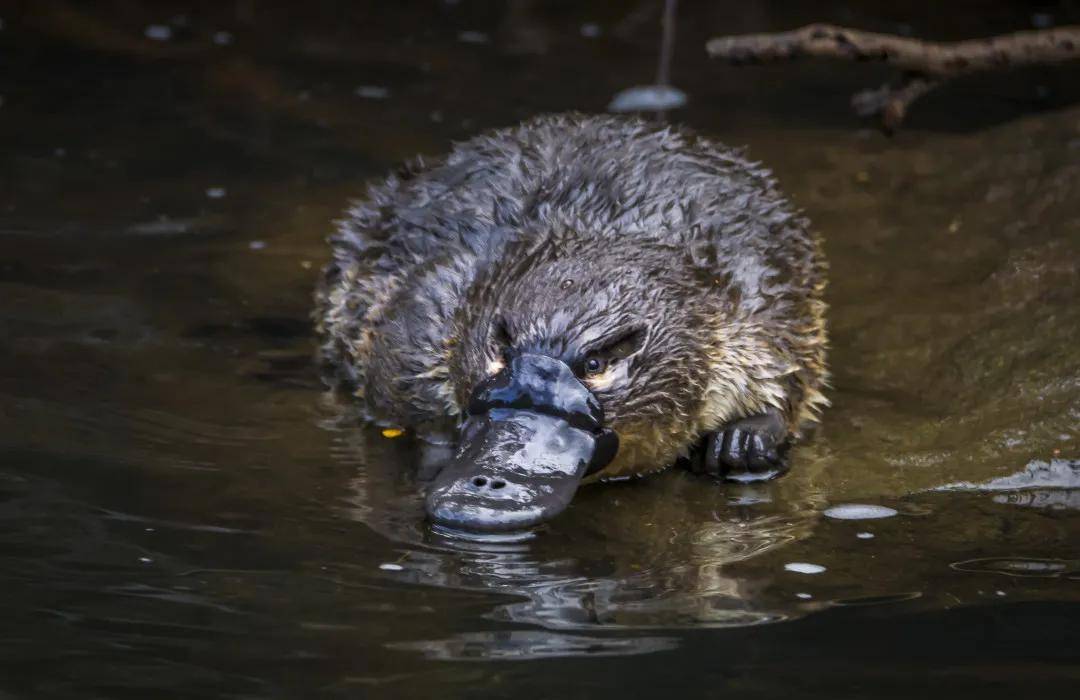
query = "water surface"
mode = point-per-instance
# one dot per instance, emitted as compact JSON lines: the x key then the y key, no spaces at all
{"x":185,"y":513}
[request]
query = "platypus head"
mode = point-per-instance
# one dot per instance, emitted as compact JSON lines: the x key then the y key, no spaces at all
{"x":574,"y":358}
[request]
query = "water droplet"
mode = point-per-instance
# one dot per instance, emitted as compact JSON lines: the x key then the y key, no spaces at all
{"x":804,"y":596}
{"x":865,"y":535}
{"x":257,"y":245}
{"x":215,"y":192}
{"x":391,"y":567}
{"x":801,"y":567}
{"x":859,"y":511}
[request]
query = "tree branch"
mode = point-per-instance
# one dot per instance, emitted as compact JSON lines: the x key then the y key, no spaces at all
{"x":925,"y":64}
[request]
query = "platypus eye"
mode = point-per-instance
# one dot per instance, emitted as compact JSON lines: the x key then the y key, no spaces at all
{"x":599,"y":360}
{"x":594,"y":365}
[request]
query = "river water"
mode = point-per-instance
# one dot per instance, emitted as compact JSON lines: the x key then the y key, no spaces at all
{"x":185,"y":513}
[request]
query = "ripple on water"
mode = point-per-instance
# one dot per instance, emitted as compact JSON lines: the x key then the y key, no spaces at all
{"x":1026,"y":567}
{"x":530,"y":644}
{"x":878,"y":599}
{"x":859,"y":511}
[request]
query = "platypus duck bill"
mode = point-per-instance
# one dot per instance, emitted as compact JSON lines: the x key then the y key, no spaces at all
{"x":532,"y":433}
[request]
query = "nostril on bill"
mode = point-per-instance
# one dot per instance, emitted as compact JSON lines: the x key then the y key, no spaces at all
{"x":482,"y":482}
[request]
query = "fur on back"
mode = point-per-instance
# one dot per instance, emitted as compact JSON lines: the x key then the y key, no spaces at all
{"x":407,"y":255}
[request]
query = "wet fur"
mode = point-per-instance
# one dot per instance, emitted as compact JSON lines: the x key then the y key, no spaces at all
{"x":558,"y":235}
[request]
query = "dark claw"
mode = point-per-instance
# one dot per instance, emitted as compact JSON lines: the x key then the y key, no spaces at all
{"x":748,"y":449}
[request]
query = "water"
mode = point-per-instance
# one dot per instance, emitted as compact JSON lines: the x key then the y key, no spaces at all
{"x":184,"y":513}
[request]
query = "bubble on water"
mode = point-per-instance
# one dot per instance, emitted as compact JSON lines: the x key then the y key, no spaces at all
{"x":215,"y":192}
{"x":158,"y":32}
{"x":223,"y":38}
{"x":859,"y":511}
{"x":391,"y":567}
{"x":146,"y":560}
{"x":647,"y":98}
{"x":473,"y":37}
{"x":372,"y":92}
{"x":801,"y":567}
{"x":803,"y":596}
{"x":865,"y":535}
{"x":590,"y":30}
{"x":257,"y":245}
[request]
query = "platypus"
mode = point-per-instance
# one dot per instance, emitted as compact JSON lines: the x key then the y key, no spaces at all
{"x":574,"y":299}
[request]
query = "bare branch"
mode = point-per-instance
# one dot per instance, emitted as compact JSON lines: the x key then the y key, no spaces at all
{"x":926,"y":64}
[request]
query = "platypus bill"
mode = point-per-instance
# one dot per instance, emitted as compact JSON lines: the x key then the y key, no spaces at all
{"x":577,"y":299}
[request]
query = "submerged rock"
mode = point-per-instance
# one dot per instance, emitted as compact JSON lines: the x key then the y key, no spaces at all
{"x":1057,"y":473}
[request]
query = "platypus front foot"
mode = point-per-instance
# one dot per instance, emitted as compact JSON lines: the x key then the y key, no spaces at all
{"x":747,"y":449}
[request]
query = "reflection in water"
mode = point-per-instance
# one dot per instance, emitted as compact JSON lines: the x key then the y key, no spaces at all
{"x":1054,"y":500}
{"x":687,"y":533}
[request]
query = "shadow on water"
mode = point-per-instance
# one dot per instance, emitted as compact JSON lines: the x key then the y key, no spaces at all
{"x":183,"y":513}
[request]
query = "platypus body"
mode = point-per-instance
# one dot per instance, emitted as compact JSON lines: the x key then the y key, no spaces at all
{"x":573,"y":299}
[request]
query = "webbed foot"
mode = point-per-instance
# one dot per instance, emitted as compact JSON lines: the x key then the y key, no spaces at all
{"x":747,"y":449}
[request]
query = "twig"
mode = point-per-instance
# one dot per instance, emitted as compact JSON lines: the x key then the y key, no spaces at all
{"x":667,"y":43}
{"x":925,"y":64}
